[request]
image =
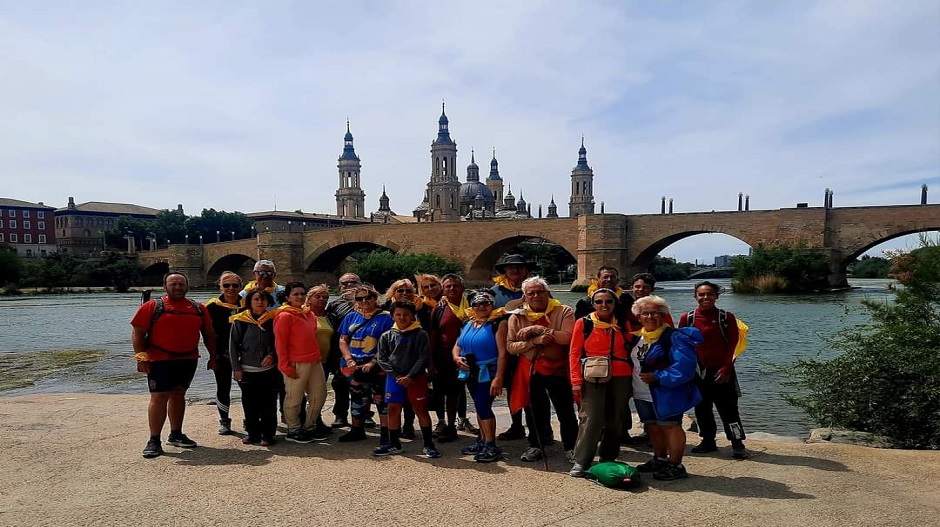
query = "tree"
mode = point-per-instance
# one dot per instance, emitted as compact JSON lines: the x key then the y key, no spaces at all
{"x":870,"y":267}
{"x":550,"y":258}
{"x":381,"y":268}
{"x":10,"y":265}
{"x":781,"y":269}
{"x":669,"y":269}
{"x":212,"y":221}
{"x":887,"y":379}
{"x":170,"y":225}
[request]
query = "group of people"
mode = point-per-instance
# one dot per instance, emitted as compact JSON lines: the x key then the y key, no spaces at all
{"x":430,"y":344}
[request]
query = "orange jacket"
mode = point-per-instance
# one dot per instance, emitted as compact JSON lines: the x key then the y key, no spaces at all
{"x":295,"y":339}
{"x":597,"y":344}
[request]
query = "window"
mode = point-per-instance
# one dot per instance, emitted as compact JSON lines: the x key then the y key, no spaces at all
{"x":13,"y":238}
{"x":41,"y":225}
{"x":42,"y":238}
{"x":42,"y":252}
{"x":27,"y":238}
{"x":27,"y":224}
{"x":29,"y":253}
{"x":41,"y":214}
{"x":12,"y":224}
{"x":11,"y":213}
{"x":1,"y":237}
{"x":25,"y":213}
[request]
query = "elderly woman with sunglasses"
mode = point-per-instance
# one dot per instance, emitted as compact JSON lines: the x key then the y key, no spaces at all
{"x":222,"y":308}
{"x":358,"y":340}
{"x":664,"y":363}
{"x":480,"y":355}
{"x":601,"y":382}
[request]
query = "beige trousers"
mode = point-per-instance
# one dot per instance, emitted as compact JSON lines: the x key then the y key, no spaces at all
{"x":310,"y":381}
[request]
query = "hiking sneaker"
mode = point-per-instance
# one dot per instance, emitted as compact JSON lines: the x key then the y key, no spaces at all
{"x":315,"y":434}
{"x":387,"y":450}
{"x":473,"y":448}
{"x":248,"y":440}
{"x":268,"y":442}
{"x":671,"y":471}
{"x":569,"y":456}
{"x":489,"y":454}
{"x":438,"y":429}
{"x":180,"y":440}
{"x":449,"y":434}
{"x":153,"y":449}
{"x":354,"y":434}
{"x":340,"y":422}
{"x":706,"y":446}
{"x":298,"y":436}
{"x":408,"y":432}
{"x":738,"y":451}
{"x":225,"y":427}
{"x":531,"y":454}
{"x":465,"y":425}
{"x":513,"y":433}
{"x":653,"y":465}
{"x":577,"y":471}
{"x":370,"y":423}
{"x":430,"y":452}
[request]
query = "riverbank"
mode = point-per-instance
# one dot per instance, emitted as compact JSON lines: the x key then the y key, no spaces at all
{"x":74,"y":459}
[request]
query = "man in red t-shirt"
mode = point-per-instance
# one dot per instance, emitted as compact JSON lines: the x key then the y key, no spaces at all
{"x":166,"y":346}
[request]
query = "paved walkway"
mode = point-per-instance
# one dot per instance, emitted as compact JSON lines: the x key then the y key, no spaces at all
{"x":74,"y":459}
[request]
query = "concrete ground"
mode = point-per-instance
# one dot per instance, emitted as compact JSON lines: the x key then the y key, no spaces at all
{"x":74,"y":459}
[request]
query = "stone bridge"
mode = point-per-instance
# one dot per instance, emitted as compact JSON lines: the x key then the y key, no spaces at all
{"x":628,"y":242}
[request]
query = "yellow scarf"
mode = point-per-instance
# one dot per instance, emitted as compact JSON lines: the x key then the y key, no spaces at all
{"x":461,"y":310}
{"x":472,"y":317}
{"x":534,"y":315}
{"x":502,"y":281}
{"x":650,"y":336}
{"x":226,"y":305}
{"x":595,"y":286}
{"x":299,"y":311}
{"x":245,"y":316}
{"x":600,"y":324}
{"x":414,"y":325}
{"x":251,"y":285}
{"x":372,"y":314}
{"x":430,"y":302}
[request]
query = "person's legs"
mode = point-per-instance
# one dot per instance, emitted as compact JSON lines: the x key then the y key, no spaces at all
{"x":315,"y":388}
{"x":293,"y":395}
{"x":394,"y":417}
{"x":157,"y":411}
{"x":340,"y":387}
{"x":659,"y":440}
{"x":616,"y":407}
{"x":176,"y":409}
{"x":704,"y":416}
{"x":267,"y":404}
{"x":250,"y":406}
{"x":538,"y":414}
{"x":725,"y":397}
{"x":591,"y":416}
{"x":558,"y":388}
{"x":675,"y":442}
{"x":223,"y":391}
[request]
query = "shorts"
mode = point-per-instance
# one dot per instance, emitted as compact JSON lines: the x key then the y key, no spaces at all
{"x":416,"y":393}
{"x":647,"y":414}
{"x":167,"y":375}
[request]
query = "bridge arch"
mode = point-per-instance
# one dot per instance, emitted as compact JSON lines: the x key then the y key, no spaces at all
{"x":482,"y":266}
{"x":241,"y":264}
{"x":152,"y":275}
{"x":855,"y":252}
{"x":644,"y":259}
{"x":329,"y":256}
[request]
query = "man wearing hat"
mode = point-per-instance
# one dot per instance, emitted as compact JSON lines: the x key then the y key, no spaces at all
{"x":507,"y":292}
{"x":264,"y":273}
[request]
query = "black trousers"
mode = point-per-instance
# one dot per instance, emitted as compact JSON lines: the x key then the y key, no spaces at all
{"x":546,"y":391}
{"x":340,"y":387}
{"x":724,"y":397}
{"x":223,"y":386}
{"x":259,"y":402}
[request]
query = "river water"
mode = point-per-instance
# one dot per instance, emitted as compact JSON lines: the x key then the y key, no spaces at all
{"x":67,"y":328}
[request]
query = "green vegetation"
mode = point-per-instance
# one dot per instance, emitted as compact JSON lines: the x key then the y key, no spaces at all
{"x":870,"y":267}
{"x":174,"y":225}
{"x":18,"y":370}
{"x":381,"y":268}
{"x":60,"y":271}
{"x":10,"y":266}
{"x":887,"y":379}
{"x":781,"y":269}
{"x":664,"y":268}
{"x":551,"y":260}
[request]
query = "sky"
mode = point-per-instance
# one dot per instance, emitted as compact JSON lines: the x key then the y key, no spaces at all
{"x":243,"y":105}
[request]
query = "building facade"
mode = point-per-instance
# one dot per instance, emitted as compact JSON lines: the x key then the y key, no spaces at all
{"x":29,"y":228}
{"x":80,"y":229}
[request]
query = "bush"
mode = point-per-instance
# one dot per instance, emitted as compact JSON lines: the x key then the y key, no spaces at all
{"x":11,"y":290}
{"x":381,"y":268}
{"x":887,"y":380}
{"x":802,"y":269}
{"x":869,"y":267}
{"x":765,"y":283}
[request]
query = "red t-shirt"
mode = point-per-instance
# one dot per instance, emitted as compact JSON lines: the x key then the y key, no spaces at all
{"x":714,"y":352}
{"x":175,"y":335}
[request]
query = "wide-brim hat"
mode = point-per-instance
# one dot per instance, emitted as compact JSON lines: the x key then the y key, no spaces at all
{"x":513,"y":259}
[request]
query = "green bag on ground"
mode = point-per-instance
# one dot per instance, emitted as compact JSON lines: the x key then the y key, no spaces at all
{"x":615,"y":475}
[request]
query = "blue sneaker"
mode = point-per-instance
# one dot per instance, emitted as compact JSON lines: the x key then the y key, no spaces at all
{"x":387,"y":450}
{"x":431,"y":452}
{"x":473,"y":448}
{"x":489,"y":454}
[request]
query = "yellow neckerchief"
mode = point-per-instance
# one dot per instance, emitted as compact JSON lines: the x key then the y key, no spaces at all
{"x":650,"y":336}
{"x":299,"y":311}
{"x":595,"y":286}
{"x":226,"y":305}
{"x":472,"y":317}
{"x":428,"y":301}
{"x":461,"y":310}
{"x":251,"y":285}
{"x":600,"y":324}
{"x":502,"y":281}
{"x":245,"y":316}
{"x":378,"y":311}
{"x":535,"y":315}
{"x":414,"y":325}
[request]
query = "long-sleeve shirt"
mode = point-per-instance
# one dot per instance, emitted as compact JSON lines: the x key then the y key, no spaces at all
{"x":597,"y":344}
{"x":553,"y":359}
{"x":295,"y":337}
{"x":404,"y":352}
{"x":715,"y":351}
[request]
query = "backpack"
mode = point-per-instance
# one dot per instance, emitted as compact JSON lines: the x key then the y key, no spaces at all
{"x":743,"y":329}
{"x":160,"y":309}
{"x":615,"y":475}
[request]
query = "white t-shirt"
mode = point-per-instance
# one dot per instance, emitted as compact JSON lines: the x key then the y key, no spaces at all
{"x":641,"y":390}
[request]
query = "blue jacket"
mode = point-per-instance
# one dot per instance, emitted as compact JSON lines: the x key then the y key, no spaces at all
{"x":674,"y":391}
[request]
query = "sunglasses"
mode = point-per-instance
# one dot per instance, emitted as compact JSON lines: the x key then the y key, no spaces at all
{"x":348,"y":283}
{"x":264,"y":273}
{"x":364,"y":298}
{"x":403,"y":291}
{"x":603,"y":302}
{"x":651,"y":314}
{"x":485,"y":303}
{"x":231,"y":286}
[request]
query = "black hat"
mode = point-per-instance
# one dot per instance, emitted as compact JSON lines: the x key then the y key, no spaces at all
{"x":513,"y":259}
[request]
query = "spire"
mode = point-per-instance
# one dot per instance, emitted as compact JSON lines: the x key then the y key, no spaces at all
{"x":443,"y":134}
{"x":473,"y":170}
{"x":494,"y":168}
{"x":349,"y":152}
{"x":383,"y":201}
{"x":582,"y":157}
{"x":473,"y":161}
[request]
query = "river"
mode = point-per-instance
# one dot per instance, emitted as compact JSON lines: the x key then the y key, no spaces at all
{"x":81,"y":343}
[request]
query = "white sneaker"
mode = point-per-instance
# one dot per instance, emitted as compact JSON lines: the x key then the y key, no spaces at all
{"x":531,"y":454}
{"x":569,"y":456}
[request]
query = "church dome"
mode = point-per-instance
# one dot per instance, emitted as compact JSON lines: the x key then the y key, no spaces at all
{"x":470,"y":189}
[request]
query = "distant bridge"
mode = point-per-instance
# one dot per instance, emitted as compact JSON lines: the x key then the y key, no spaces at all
{"x":628,"y":242}
{"x":711,"y":272}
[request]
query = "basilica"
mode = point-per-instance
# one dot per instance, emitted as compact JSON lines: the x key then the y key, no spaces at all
{"x":446,"y":198}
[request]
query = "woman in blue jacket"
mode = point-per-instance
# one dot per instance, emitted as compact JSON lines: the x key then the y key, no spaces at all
{"x":664,"y":366}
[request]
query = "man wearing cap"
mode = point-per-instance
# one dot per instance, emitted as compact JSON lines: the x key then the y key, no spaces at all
{"x":507,"y":292}
{"x":264,"y":273}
